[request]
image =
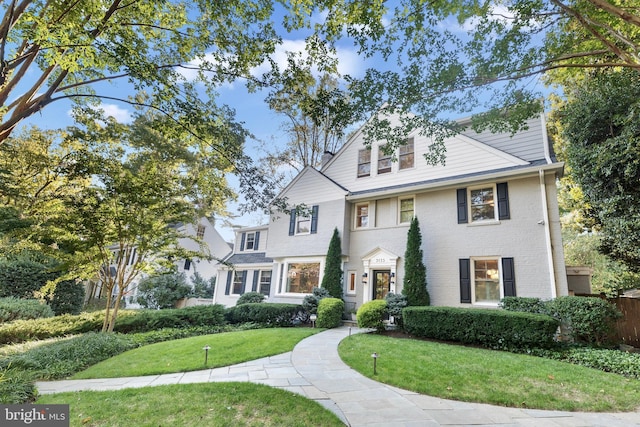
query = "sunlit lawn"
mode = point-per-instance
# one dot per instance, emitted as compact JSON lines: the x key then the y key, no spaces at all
{"x":193,"y":405}
{"x":188,"y":355}
{"x":486,"y":376}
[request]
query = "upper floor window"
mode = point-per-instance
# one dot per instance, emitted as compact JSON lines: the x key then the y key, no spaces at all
{"x":384,"y":160}
{"x":303,"y":223}
{"x":406,"y":155}
{"x":251,"y":240}
{"x":200,"y":231}
{"x":187,"y":264}
{"x":364,"y":162}
{"x":362,"y":215}
{"x":482,"y":204}
{"x":406,"y":210}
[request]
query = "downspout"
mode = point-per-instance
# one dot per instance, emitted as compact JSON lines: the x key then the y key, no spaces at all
{"x":545,"y":139}
{"x":547,"y":234}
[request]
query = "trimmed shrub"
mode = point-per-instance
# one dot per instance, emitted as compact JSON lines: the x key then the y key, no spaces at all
{"x":330,"y":313}
{"x":267,"y":314}
{"x":495,"y":329}
{"x":67,"y":298}
{"x":22,"y":309}
{"x":20,"y":278}
{"x":395,"y":304}
{"x":58,"y":326}
{"x":588,"y":319}
{"x":524,"y":304}
{"x":250,"y":297}
{"x":310,"y":302}
{"x":371,"y":314}
{"x":149,"y":320}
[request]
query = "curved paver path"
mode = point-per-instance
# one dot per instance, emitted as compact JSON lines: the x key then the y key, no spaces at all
{"x":315,"y":370}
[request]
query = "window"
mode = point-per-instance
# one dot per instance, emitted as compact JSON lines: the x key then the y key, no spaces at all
{"x":352,"y":278}
{"x":362,"y":215}
{"x":187,"y":264}
{"x":265,"y":282}
{"x":239,"y":280}
{"x":302,"y":224}
{"x":302,"y":277}
{"x":482,"y":204}
{"x":364,"y":162}
{"x":406,"y":210}
{"x":384,"y":160}
{"x":406,"y":155}
{"x":200,"y":231}
{"x":251,"y":240}
{"x":486,"y":281}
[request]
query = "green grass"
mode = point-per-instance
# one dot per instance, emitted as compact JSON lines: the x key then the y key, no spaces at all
{"x":186,"y":405}
{"x":188,"y":355}
{"x":487,"y":376}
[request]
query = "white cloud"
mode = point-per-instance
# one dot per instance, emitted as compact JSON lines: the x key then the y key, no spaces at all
{"x":120,"y":114}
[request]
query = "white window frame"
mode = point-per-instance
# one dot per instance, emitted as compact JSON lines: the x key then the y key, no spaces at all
{"x":400,"y":200}
{"x":352,"y":278}
{"x":262,"y":274}
{"x":356,"y":216}
{"x":285,"y":273}
{"x":401,"y":155}
{"x":301,"y":219}
{"x":233,"y":282}
{"x":471,"y":205}
{"x":498,"y":261}
{"x":253,"y":242}
{"x":382,"y":157}
{"x":358,"y":174}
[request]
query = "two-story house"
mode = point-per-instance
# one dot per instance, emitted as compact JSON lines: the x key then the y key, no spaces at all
{"x":488,"y":218}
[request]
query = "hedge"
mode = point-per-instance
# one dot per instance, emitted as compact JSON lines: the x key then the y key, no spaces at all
{"x":497,"y":329}
{"x":267,"y":314}
{"x":330,"y":313}
{"x":371,"y":314}
{"x":22,"y":309}
{"x":149,"y":320}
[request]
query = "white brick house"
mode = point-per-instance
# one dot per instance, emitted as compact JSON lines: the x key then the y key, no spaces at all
{"x":488,"y":218}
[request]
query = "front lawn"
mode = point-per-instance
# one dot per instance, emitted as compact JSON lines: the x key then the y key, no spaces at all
{"x":486,"y":376}
{"x":187,"y":354}
{"x":193,"y":405}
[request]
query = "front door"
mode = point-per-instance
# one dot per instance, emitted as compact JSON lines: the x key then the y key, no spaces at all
{"x":381,"y":283}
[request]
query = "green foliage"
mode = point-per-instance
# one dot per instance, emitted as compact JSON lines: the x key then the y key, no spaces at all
{"x":22,"y":277}
{"x":66,"y":324}
{"x":602,"y":144}
{"x":395,"y":304}
{"x":250,"y":297}
{"x":584,"y":319}
{"x":16,"y":386}
{"x":332,"y":278}
{"x":67,"y":298}
{"x":310,"y":302}
{"x":202,"y":288}
{"x":149,"y":320}
{"x":22,"y":309}
{"x":163,"y":291}
{"x":66,"y":357}
{"x":371,"y":315}
{"x":330,"y":313}
{"x":267,"y":314}
{"x":615,"y":361}
{"x":415,"y":272}
{"x":495,"y":329}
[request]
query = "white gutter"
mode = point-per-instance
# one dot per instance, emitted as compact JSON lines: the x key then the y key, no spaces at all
{"x":547,"y":234}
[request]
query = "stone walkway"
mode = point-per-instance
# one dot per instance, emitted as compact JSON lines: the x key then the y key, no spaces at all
{"x":314,"y":370}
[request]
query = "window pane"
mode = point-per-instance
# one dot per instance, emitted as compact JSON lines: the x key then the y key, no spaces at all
{"x":406,"y":154}
{"x":237,"y":282}
{"x":487,"y":280}
{"x":384,"y":161}
{"x":406,"y":210}
{"x":304,"y":226}
{"x":364,"y":162}
{"x":482,"y":204}
{"x":251,"y":237}
{"x":362,"y":216}
{"x":302,"y":277}
{"x":265,"y":282}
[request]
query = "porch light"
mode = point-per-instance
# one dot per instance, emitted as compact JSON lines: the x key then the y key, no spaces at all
{"x":393,"y":278}
{"x":364,"y":278}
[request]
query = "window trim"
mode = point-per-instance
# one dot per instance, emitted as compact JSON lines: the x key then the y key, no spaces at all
{"x":412,"y":152}
{"x":498,"y":261}
{"x":413,"y":210}
{"x":262,"y":275}
{"x":247,"y":240}
{"x":359,"y":163}
{"x":470,"y":204}
{"x":352,"y":278}
{"x":386,"y":158}
{"x":243,"y":282}
{"x":356,"y":216}
{"x":285,"y":274}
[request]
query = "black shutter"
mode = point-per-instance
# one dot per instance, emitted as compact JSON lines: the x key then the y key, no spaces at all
{"x":462,"y":205}
{"x":465,"y":280}
{"x":254,"y":285}
{"x":244,"y":282}
{"x":244,"y":235}
{"x":503,"y":201}
{"x":292,"y":222}
{"x":228,"y":288}
{"x":314,"y":219}
{"x":508,"y":277}
{"x":256,"y":241}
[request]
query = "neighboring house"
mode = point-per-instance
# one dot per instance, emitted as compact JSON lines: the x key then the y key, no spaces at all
{"x":213,"y":243}
{"x":488,"y":218}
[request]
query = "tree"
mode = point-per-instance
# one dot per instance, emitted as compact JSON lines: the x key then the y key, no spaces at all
{"x":332,"y":277}
{"x":162,"y":291}
{"x":600,"y":126}
{"x":415,"y":272}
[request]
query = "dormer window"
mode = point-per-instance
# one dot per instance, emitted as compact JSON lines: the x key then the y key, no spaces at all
{"x":251,"y":240}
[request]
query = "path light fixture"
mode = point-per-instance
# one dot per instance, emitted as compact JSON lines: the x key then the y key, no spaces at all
{"x":375,"y":359}
{"x":206,"y":349}
{"x":313,"y":318}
